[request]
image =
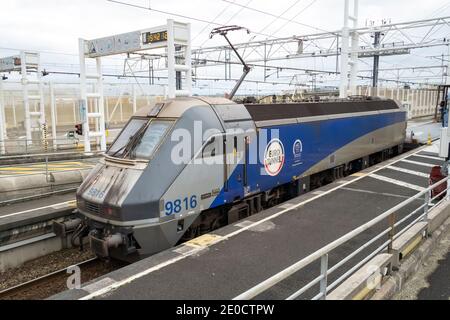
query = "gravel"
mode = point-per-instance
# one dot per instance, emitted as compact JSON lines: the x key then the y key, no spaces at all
{"x":43,"y":266}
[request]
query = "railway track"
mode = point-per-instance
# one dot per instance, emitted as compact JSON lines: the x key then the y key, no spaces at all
{"x":56,"y":282}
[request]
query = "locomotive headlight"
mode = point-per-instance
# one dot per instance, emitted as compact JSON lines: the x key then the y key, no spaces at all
{"x":108,"y":211}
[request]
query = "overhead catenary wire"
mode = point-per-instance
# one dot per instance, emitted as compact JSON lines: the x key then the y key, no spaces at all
{"x":172,"y":14}
{"x":280,"y":16}
{"x":294,"y":17}
{"x":275,"y":16}
{"x":214,"y":20}
{"x":226,"y":23}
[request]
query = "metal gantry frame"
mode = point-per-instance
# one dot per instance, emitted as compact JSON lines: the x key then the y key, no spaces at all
{"x":26,"y":66}
{"x":330,"y":44}
{"x":99,"y":113}
{"x":349,"y":59}
{"x":174,"y":36}
{"x":27,"y":63}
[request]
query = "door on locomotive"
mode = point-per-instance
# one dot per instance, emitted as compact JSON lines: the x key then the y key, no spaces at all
{"x":237,"y":151}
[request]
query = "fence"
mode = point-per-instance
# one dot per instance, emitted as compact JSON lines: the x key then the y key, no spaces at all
{"x":419,"y":102}
{"x":120,"y":103}
{"x":390,"y":234}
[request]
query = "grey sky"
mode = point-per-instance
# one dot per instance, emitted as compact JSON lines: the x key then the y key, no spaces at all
{"x":56,"y":24}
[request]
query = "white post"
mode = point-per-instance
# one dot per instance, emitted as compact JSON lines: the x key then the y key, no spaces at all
{"x":101,"y":105}
{"x":344,"y":53}
{"x":53,"y":115}
{"x":355,"y":48}
{"x":172,"y":83}
{"x":83,"y":97}
{"x":448,"y":67}
{"x":108,"y":119}
{"x":94,"y":108}
{"x":134,"y":99}
{"x":41,"y":94}
{"x":121,"y":109}
{"x":3,"y":109}
{"x":26,"y":101}
{"x":2,"y":120}
{"x":188,"y":60}
{"x":14,"y":109}
{"x":74,"y":110}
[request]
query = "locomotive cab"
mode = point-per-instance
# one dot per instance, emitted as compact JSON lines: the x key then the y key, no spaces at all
{"x":125,"y":196}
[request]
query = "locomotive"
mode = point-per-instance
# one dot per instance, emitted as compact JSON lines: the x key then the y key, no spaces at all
{"x":187,"y":166}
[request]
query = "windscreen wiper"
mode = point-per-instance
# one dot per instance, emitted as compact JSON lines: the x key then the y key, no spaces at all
{"x":125,"y":149}
{"x":136,"y":139}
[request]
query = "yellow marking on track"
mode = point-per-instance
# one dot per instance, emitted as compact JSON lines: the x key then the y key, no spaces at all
{"x":204,"y":241}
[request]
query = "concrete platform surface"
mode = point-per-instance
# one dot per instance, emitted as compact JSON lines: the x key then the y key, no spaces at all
{"x":36,"y":210}
{"x":423,"y":129}
{"x":232,"y":260}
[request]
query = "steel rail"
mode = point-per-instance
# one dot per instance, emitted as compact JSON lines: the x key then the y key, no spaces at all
{"x":20,"y":287}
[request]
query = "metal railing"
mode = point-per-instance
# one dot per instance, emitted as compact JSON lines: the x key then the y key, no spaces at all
{"x":419,"y":214}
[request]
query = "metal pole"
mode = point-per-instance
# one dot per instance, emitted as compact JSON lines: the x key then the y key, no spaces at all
{"x":14,"y":109}
{"x":355,"y":47}
{"x":188,"y":60}
{"x":345,"y":53}
{"x":134,"y":100}
{"x":172,"y":82}
{"x":53,"y":114}
{"x":26,"y":102}
{"x":427,"y":206}
{"x":376,"y":60}
{"x":83,"y":96}
{"x":42,"y":120}
{"x":392,"y":231}
{"x":448,"y":67}
{"x":101,"y":105}
{"x":2,"y":120}
{"x":46,"y":168}
{"x":324,"y":274}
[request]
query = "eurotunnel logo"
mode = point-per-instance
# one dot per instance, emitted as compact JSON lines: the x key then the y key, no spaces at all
{"x":274,"y":157}
{"x":297,"y":150}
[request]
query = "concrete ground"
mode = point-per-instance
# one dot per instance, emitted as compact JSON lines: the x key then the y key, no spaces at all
{"x":432,"y":280}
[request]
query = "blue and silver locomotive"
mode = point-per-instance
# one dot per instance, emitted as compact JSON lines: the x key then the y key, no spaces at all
{"x":187,"y":166}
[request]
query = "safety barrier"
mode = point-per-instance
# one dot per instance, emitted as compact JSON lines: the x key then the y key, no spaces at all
{"x":419,"y":215}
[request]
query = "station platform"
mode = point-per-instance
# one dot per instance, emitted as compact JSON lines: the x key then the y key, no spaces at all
{"x":230,"y":261}
{"x":33,"y":211}
{"x":42,"y":167}
{"x":423,"y":130}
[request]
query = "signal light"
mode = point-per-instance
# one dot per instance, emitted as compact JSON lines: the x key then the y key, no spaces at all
{"x":79,"y":129}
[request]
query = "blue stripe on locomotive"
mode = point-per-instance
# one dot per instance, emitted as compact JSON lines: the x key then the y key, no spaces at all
{"x":320,"y":140}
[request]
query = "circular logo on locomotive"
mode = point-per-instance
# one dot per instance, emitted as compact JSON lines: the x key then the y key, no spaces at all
{"x":297,"y":150}
{"x":274,"y":157}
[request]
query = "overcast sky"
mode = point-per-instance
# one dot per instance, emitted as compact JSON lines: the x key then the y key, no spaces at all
{"x":55,"y":25}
